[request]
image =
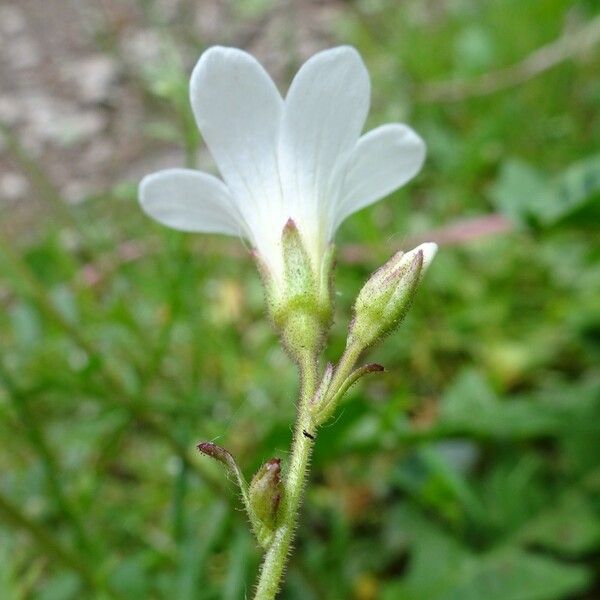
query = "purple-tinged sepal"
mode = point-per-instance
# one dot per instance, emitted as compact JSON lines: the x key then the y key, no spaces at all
{"x":264,"y":498}
{"x":265,"y":492}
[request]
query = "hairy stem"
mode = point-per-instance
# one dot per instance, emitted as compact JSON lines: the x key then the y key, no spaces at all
{"x":276,"y":556}
{"x":343,"y":369}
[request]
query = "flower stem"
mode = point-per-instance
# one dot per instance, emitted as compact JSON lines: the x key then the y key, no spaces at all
{"x":276,"y":556}
{"x":344,"y":368}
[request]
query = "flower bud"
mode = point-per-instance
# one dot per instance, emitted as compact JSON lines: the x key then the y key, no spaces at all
{"x":218,"y":453}
{"x":265,"y":492}
{"x":225,"y":457}
{"x":386,"y":297}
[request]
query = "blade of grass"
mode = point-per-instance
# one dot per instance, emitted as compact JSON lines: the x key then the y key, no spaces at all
{"x":196,"y":549}
{"x":40,"y":179}
{"x":239,"y":557}
{"x":180,"y":488}
{"x":119,"y":395}
{"x":15,"y":517}
{"x":50,"y":464}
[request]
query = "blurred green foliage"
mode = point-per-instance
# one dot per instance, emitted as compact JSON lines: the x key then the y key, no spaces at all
{"x":469,"y":470}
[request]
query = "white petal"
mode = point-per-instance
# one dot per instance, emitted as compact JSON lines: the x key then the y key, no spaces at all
{"x":384,"y":159}
{"x":429,"y":250}
{"x":189,"y":201}
{"x":324,"y":113}
{"x":238,"y":111}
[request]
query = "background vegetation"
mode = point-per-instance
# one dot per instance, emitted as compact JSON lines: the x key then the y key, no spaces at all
{"x":469,"y":469}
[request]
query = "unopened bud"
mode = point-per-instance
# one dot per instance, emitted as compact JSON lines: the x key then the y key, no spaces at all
{"x":225,"y":457}
{"x":265,"y":492}
{"x":386,"y":297}
{"x":218,"y":453}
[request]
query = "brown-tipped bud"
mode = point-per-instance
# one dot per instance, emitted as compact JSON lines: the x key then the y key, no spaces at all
{"x":265,"y":492}
{"x":373,"y":368}
{"x":224,"y":457}
{"x":386,"y":297}
{"x":218,"y":453}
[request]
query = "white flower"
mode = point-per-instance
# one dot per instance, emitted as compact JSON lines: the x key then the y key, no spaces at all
{"x":301,"y":158}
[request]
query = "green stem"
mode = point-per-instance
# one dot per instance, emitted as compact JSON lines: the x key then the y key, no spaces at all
{"x":276,"y":556}
{"x":343,"y":377}
{"x":342,"y":371}
{"x":277,"y":553}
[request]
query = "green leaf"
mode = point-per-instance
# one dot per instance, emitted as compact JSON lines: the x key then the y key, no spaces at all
{"x":526,"y":195}
{"x":571,"y":527}
{"x":513,"y":574}
{"x":442,"y":569}
{"x":521,"y":192}
{"x":471,"y":406}
{"x":574,"y":189}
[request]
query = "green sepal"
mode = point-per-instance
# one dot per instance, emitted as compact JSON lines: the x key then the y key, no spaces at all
{"x":300,"y":281}
{"x":299,"y":301}
{"x":265,"y":493}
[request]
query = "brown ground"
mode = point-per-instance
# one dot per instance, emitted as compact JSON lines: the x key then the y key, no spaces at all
{"x":72,"y":85}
